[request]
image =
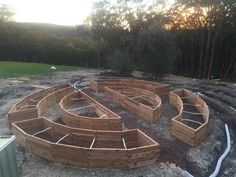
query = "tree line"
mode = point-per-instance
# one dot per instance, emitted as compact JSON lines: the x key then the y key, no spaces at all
{"x":43,"y":43}
{"x":205,"y":33}
{"x":194,"y":38}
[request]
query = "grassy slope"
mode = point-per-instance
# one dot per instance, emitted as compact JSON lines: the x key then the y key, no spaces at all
{"x":16,"y":69}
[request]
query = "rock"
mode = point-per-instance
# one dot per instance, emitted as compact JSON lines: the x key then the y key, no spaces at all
{"x":201,"y":159}
{"x":137,"y":74}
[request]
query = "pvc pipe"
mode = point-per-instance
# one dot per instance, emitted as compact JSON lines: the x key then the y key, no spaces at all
{"x":74,"y":85}
{"x":232,"y":108}
{"x":217,"y":169}
{"x":189,"y":175}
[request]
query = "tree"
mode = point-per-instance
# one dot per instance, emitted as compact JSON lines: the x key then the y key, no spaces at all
{"x":157,"y":51}
{"x":201,"y":29}
{"x":6,"y":14}
{"x":122,"y":27}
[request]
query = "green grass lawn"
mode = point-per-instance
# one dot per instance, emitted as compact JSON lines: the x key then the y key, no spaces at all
{"x":17,"y":69}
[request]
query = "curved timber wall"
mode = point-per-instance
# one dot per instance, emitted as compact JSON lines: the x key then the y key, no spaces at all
{"x":33,"y":106}
{"x":151,"y":114}
{"x":86,"y":148}
{"x":179,"y":128}
{"x":155,"y":87}
{"x":108,"y":120}
{"x":99,"y":142}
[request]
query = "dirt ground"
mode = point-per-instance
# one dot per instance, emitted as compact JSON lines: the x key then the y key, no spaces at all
{"x":175,"y":155}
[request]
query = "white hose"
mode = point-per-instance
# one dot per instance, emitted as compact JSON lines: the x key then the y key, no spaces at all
{"x":189,"y":175}
{"x":217,"y":169}
{"x":74,"y":85}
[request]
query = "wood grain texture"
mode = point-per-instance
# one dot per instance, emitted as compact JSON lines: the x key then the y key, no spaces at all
{"x":75,"y":149}
{"x":155,"y":87}
{"x":110,"y":122}
{"x":23,"y":110}
{"x":182,"y":131}
{"x":98,"y":143}
{"x":151,"y":114}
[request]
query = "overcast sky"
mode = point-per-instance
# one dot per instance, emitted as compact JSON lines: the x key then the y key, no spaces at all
{"x":62,"y":12}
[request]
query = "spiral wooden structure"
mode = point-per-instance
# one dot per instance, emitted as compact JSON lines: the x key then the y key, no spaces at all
{"x":93,"y":135}
{"x":79,"y":146}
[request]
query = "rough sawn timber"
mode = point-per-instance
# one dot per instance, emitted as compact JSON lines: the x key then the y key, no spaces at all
{"x":33,"y":105}
{"x":125,"y":96}
{"x":86,"y":148}
{"x":105,"y":120}
{"x":191,"y":136}
{"x":155,"y":87}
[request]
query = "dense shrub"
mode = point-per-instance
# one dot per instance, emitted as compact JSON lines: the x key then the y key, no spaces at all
{"x":119,"y":62}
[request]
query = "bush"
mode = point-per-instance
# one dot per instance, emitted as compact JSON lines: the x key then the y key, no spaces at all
{"x":119,"y":62}
{"x":156,"y":53}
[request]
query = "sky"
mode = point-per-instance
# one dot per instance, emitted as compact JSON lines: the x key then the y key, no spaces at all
{"x":61,"y":12}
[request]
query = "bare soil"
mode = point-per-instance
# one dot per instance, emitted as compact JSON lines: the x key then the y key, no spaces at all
{"x":221,"y":99}
{"x":159,"y":131}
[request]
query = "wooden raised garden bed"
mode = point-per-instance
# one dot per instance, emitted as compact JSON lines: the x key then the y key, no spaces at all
{"x":155,"y":87}
{"x":80,"y":110}
{"x":93,"y":136}
{"x":190,"y":125}
{"x":33,"y":106}
{"x":144,"y":103}
{"x":86,"y":148}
